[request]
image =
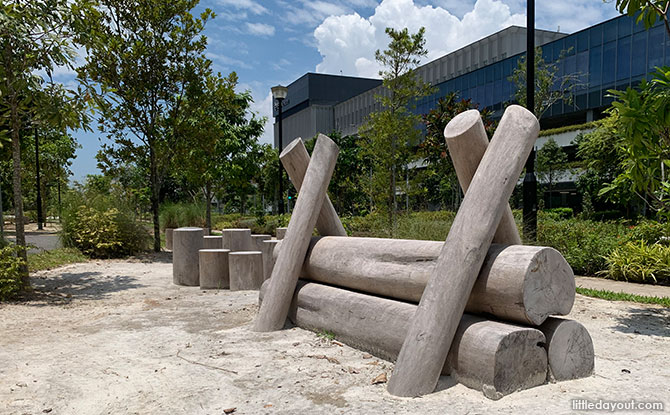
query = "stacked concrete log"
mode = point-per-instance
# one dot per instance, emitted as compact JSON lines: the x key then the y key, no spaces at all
{"x":365,"y":290}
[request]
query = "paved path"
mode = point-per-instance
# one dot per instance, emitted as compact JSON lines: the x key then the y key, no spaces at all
{"x":623,"y":287}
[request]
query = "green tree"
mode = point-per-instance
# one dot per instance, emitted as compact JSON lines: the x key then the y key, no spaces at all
{"x":439,"y":177}
{"x":34,"y":36}
{"x":647,"y":11}
{"x":142,"y":58}
{"x":551,"y":164}
{"x":390,"y":135}
{"x":550,"y":86}
{"x":644,"y":124}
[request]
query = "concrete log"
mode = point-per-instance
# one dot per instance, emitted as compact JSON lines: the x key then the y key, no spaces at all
{"x":257,"y":240}
{"x":169,"y":238}
{"x":214,"y":269}
{"x":281,"y":233}
{"x":525,"y":284}
{"x":212,"y":242}
{"x":245,"y":270}
{"x":185,"y":258}
{"x":467,"y":142}
{"x":443,"y":301}
{"x":295,"y":160}
{"x":272,"y":314}
{"x":268,"y":248}
{"x":569,"y":349}
{"x":237,"y":240}
{"x":496,"y":358}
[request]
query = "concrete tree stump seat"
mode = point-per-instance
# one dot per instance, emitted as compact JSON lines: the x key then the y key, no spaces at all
{"x":212,"y":242}
{"x":186,"y":258}
{"x":214,"y":268}
{"x":237,"y":240}
{"x":245,"y":270}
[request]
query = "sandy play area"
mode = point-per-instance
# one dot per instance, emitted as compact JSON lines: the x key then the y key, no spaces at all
{"x":117,"y":337}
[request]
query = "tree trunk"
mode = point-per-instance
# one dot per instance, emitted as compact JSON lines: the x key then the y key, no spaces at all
{"x":18,"y":199}
{"x":154,"y":197}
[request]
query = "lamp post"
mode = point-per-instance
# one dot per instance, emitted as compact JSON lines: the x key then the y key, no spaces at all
{"x":529,"y":180}
{"x":279,"y":93}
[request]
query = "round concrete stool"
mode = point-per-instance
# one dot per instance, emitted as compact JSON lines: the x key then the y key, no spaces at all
{"x":214,"y":268}
{"x":237,"y":240}
{"x":281,"y":233}
{"x":246,"y":270}
{"x":268,"y":248}
{"x":185,"y":258}
{"x":212,"y":242}
{"x":257,"y":240}
{"x":168,"y":238}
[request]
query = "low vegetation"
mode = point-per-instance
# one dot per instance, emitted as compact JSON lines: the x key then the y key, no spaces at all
{"x":55,"y":258}
{"x":614,"y":296}
{"x":10,"y":274}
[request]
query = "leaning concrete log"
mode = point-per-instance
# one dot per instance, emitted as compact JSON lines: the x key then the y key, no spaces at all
{"x":237,"y":239}
{"x":245,"y":270}
{"x":525,"y":284}
{"x":496,"y":358}
{"x":268,"y":248}
{"x":569,"y":349}
{"x":467,"y":142}
{"x":281,"y":233}
{"x":295,"y":160}
{"x":214,"y":269}
{"x":443,"y":302}
{"x":212,"y":242}
{"x":285,"y":274}
{"x":185,"y":257}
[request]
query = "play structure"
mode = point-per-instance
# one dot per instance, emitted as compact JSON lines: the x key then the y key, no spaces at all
{"x":480,"y":307}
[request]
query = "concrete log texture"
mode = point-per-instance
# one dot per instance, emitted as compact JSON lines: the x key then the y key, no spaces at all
{"x":443,"y":302}
{"x":237,"y":240}
{"x":295,"y":160}
{"x":525,"y":284}
{"x":257,"y":241}
{"x":212,"y":242}
{"x":569,"y":349}
{"x":245,"y":270}
{"x":274,"y":310}
{"x":496,"y":358}
{"x":267,"y":248}
{"x":467,"y":142}
{"x":187,"y":243}
{"x":214,"y":269}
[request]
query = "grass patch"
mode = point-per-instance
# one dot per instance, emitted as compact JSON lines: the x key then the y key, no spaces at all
{"x":54,"y":259}
{"x":612,"y":296}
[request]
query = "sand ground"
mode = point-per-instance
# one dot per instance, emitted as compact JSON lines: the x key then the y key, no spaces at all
{"x":117,"y":337}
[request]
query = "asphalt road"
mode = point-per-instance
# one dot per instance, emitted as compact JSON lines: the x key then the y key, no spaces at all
{"x":40,"y":241}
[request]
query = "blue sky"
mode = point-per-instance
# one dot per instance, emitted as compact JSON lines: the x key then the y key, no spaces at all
{"x":277,"y":41}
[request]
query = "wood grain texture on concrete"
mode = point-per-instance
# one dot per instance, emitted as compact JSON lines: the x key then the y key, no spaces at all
{"x":281,"y":233}
{"x":245,"y":270}
{"x":443,"y":302}
{"x":524,"y":284}
{"x":295,"y":160}
{"x":187,"y":243}
{"x":212,"y":242}
{"x":168,"y":238}
{"x":274,"y":310}
{"x":214,"y":268}
{"x":467,"y":142}
{"x":496,"y":358}
{"x":569,"y":349}
{"x":257,"y":240}
{"x":268,"y":248}
{"x":237,"y":240}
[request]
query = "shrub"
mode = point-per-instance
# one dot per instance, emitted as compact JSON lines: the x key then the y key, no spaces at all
{"x":104,"y":233}
{"x":169,"y":216}
{"x":583,"y":243}
{"x":10,"y":276}
{"x":639,"y":262}
{"x":650,"y":232}
{"x":266,"y":225}
{"x":558,"y":213}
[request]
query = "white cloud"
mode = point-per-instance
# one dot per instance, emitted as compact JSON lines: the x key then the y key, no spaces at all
{"x":226,"y":61}
{"x":260,"y":29}
{"x":348,"y":43}
{"x":248,"y":5}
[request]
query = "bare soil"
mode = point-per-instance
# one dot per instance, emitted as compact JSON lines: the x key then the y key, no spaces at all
{"x":117,"y":337}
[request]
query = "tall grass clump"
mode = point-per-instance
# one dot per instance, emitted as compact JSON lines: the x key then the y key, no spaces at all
{"x":10,"y":271}
{"x":639,"y":262}
{"x":178,"y":215}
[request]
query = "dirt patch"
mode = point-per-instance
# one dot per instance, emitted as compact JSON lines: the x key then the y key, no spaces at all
{"x":118,"y":337}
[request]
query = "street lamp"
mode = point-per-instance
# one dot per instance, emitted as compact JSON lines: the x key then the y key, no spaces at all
{"x":529,"y":180}
{"x":279,"y":93}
